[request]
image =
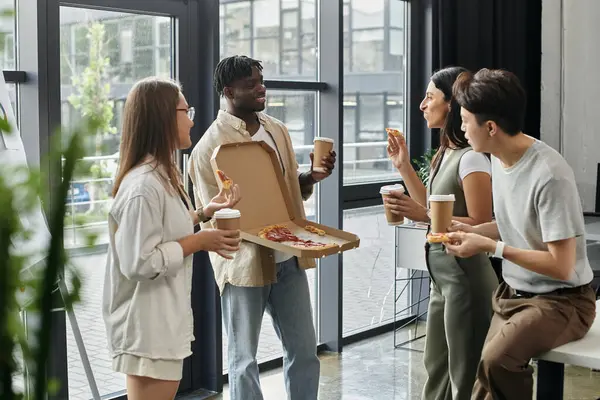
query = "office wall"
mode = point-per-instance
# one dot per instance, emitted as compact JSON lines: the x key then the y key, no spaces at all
{"x":570,"y":112}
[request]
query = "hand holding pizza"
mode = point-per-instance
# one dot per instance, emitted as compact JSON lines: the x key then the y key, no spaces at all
{"x":463,"y":244}
{"x":397,"y":148}
{"x":227,"y":198}
{"x":328,"y":163}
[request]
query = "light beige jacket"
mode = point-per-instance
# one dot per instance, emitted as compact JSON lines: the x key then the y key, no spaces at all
{"x":146,"y":303}
{"x":253,"y":265}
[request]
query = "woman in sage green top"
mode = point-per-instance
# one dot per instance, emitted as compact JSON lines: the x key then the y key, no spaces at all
{"x":459,"y":311}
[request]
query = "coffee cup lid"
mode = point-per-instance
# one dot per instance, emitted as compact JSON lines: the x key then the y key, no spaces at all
{"x":388,"y":188}
{"x":227,"y":213}
{"x":442,"y":197}
{"x":323,"y":139}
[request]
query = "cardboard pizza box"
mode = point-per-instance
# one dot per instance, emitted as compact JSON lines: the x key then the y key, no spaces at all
{"x":266,"y":200}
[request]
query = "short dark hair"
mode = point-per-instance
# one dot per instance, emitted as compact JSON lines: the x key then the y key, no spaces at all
{"x":231,"y":69}
{"x":493,"y":95}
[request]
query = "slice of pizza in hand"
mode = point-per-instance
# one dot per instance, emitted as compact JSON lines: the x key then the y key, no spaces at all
{"x":393,"y":132}
{"x":225,"y":180}
{"x":438,"y":238}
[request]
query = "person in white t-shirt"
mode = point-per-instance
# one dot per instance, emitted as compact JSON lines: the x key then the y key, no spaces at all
{"x":545,"y":299}
{"x":459,"y":310}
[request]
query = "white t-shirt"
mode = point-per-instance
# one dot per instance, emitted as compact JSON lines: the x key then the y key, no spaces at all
{"x":262,"y":135}
{"x":536,"y":202}
{"x":470,"y":162}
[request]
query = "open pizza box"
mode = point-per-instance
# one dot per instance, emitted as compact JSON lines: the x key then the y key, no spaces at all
{"x":266,"y":201}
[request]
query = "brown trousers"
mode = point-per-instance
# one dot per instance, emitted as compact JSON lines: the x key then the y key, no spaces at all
{"x":523,"y":328}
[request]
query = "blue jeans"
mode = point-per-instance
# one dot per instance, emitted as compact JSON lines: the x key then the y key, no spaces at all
{"x":288,"y":303}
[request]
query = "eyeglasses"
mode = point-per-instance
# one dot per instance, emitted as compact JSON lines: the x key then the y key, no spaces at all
{"x":191,"y":112}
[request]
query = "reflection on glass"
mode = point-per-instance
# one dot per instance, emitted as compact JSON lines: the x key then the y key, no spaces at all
{"x":367,"y":13}
{"x":13,"y":95}
{"x":283,"y":33}
{"x":368,"y":285}
{"x":296,"y":109}
{"x":373,"y":86}
{"x":8,"y":47}
{"x":131,"y":47}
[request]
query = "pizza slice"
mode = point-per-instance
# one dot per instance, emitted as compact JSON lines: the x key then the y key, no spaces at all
{"x":225,"y":180}
{"x":309,"y":244}
{"x":314,"y":229}
{"x":393,"y":132}
{"x":438,"y":238}
{"x":281,"y":234}
{"x":274,"y":233}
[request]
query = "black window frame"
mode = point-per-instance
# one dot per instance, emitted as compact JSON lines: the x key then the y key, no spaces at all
{"x":198,"y":26}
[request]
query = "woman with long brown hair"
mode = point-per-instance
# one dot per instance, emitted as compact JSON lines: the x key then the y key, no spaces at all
{"x":147,"y":288}
{"x":459,"y":310}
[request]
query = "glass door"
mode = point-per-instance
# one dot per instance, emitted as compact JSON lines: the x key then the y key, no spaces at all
{"x":104,"y":49}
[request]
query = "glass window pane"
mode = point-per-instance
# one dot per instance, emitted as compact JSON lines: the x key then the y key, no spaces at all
{"x":289,"y":63}
{"x":369,"y":288}
{"x":165,"y":33}
{"x":242,"y":47}
{"x":376,"y":74}
{"x":308,"y":66}
{"x":367,"y":14}
{"x":290,"y":31}
{"x":237,"y":21}
{"x":269,"y":50}
{"x":396,"y":51}
{"x":136,"y":46}
{"x":297,"y":110}
{"x":266,"y":18}
{"x":289,"y":23}
{"x":8,"y":47}
{"x":144,"y":63}
{"x":289,"y":4}
{"x":13,"y":95}
{"x":143,"y":32}
{"x":367,"y":51}
{"x":397,"y":13}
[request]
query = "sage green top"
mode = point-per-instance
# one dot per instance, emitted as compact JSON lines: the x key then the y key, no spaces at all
{"x":447,"y":181}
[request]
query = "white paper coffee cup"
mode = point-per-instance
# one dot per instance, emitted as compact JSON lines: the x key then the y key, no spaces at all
{"x":392,"y":219}
{"x":228,"y":219}
{"x":322,"y":147}
{"x":442,"y":208}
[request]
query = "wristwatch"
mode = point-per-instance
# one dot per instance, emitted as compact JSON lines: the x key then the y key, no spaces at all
{"x":499,"y":250}
{"x":201,"y":217}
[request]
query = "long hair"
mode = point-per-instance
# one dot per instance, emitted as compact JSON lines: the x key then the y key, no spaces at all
{"x":150,"y":131}
{"x":450,"y":133}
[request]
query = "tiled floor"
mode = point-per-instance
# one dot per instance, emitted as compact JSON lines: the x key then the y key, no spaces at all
{"x":373,"y":370}
{"x":368,"y":301}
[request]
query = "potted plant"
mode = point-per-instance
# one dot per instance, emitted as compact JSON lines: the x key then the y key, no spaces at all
{"x":423,"y":165}
{"x":18,"y":199}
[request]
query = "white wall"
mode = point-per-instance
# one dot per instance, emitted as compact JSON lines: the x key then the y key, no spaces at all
{"x":570,"y":114}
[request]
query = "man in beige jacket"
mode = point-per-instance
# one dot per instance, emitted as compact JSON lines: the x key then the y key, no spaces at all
{"x":260,"y":279}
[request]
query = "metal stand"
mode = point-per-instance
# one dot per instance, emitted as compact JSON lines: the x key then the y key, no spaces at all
{"x":85,"y":361}
{"x":409,"y":252}
{"x":416,"y":318}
